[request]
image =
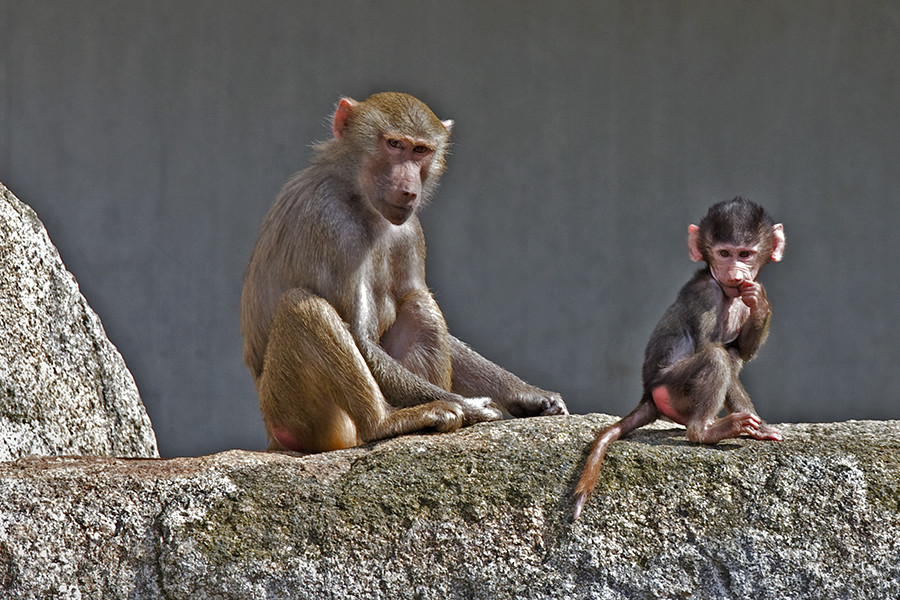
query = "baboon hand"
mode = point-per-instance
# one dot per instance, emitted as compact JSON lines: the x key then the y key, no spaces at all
{"x":538,"y":403}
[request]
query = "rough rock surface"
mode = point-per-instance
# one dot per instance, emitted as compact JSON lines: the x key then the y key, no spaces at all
{"x":481,"y":513}
{"x":64,"y":388}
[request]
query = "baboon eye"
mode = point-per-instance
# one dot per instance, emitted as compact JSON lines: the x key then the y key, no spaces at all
{"x":746,"y":254}
{"x":724,"y":253}
{"x":421,"y":149}
{"x":394,"y":143}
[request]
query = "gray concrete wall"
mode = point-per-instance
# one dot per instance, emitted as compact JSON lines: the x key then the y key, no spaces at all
{"x":151,"y":137}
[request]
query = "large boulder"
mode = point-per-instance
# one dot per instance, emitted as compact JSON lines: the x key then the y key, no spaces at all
{"x":481,"y":513}
{"x":64,"y":388}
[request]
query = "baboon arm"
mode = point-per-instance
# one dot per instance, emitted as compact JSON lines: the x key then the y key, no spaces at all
{"x":400,"y":386}
{"x":474,"y":375}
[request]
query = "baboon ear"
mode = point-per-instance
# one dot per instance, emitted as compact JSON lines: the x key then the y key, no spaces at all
{"x":778,"y":242}
{"x":694,"y":243}
{"x":448,"y":125}
{"x":342,"y":117}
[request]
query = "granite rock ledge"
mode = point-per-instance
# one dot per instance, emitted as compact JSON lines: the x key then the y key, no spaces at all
{"x":64,"y":387}
{"x":481,"y":513}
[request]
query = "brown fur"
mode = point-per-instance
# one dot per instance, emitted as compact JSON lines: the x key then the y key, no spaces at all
{"x":342,"y":337}
{"x":695,"y":354}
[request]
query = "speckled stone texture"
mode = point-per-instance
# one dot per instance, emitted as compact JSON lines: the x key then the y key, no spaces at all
{"x":64,"y":388}
{"x":481,"y":513}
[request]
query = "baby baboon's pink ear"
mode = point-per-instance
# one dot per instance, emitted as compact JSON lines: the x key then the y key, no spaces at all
{"x":694,"y":243}
{"x":778,"y":242}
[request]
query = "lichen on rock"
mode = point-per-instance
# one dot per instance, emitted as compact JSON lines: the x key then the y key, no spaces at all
{"x":481,"y":513}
